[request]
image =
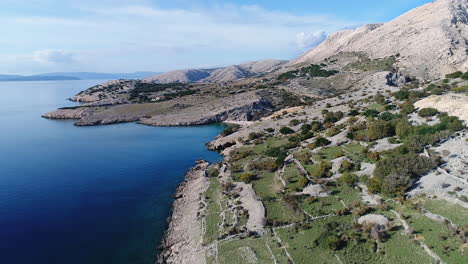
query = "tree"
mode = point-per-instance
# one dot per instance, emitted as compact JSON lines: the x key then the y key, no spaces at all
{"x":379,"y":129}
{"x":403,"y":129}
{"x":286,"y":131}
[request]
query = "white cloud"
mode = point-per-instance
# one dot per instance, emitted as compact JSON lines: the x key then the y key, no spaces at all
{"x":310,"y":40}
{"x":137,"y":35}
{"x":53,"y":57}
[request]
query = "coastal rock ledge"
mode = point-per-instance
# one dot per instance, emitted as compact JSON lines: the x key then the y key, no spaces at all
{"x":181,"y":243}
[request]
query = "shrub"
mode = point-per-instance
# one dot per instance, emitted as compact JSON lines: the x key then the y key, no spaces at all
{"x":270,"y":130}
{"x":371,"y":113}
{"x":454,"y":75}
{"x":213,"y":172}
{"x":403,"y":129}
{"x":286,"y":131}
{"x":323,"y":171}
{"x":464,"y":76}
{"x":396,"y":173}
{"x":380,"y":129}
{"x":426,"y":112}
{"x":321,"y":142}
{"x":401,"y":95}
{"x":353,"y":112}
{"x":240,"y":153}
{"x":332,"y":117}
{"x":333,"y":242}
{"x":348,"y":178}
{"x":247,"y":177}
{"x":374,"y":185}
{"x":303,"y":156}
{"x":294,"y":122}
{"x":387,"y":116}
{"x":229,"y":130}
{"x":379,"y":98}
{"x":302,"y":182}
{"x":266,"y":164}
{"x":406,"y":108}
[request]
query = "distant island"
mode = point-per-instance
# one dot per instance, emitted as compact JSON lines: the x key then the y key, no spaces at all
{"x":64,"y":76}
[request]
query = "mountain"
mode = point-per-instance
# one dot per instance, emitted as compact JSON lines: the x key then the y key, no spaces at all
{"x":431,"y":40}
{"x":64,"y":76}
{"x":101,"y":76}
{"x":6,"y":76}
{"x":223,"y":74}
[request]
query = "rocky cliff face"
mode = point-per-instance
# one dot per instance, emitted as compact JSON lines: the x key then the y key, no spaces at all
{"x":431,"y":40}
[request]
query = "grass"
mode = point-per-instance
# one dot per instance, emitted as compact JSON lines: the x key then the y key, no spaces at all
{"x":291,"y":176}
{"x":455,"y":213}
{"x":278,"y":211}
{"x":378,"y":107}
{"x":240,"y":251}
{"x":431,"y":233}
{"x":353,"y":151}
{"x":213,"y":194}
{"x":271,"y":142}
{"x":267,"y":185}
{"x":397,"y":249}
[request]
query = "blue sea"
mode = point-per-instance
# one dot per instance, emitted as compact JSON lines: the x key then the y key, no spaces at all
{"x":85,"y":194}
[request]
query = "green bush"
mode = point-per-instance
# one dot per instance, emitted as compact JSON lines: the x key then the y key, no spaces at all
{"x":349,"y":179}
{"x":374,"y":185}
{"x":247,"y":177}
{"x":454,"y":75}
{"x":464,"y":76}
{"x":401,"y":95}
{"x":286,"y":131}
{"x":302,"y":182}
{"x":380,"y":129}
{"x":265,"y":164}
{"x":407,"y":108}
{"x":403,"y":129}
{"x":321,"y":142}
{"x":229,"y":130}
{"x":294,"y":122}
{"x":387,"y":116}
{"x":333,"y":117}
{"x":426,"y":112}
{"x":395,"y":174}
{"x":213,"y":172}
{"x":371,"y":113}
{"x":380,"y":99}
{"x":323,"y":171}
{"x":353,"y":112}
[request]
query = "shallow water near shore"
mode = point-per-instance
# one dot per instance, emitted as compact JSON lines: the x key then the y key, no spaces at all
{"x":85,"y":194}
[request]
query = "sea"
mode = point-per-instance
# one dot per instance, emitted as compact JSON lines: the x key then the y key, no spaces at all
{"x":86,"y":195}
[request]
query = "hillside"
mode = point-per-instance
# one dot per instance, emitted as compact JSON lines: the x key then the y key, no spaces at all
{"x":430,"y":40}
{"x":223,"y":74}
{"x":340,"y":156}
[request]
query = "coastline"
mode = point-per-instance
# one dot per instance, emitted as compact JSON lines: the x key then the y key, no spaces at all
{"x":182,"y":239}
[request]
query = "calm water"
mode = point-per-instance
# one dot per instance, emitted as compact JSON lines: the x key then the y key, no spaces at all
{"x":85,"y":195}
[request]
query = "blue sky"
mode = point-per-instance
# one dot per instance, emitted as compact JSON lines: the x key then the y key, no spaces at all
{"x":135,"y":35}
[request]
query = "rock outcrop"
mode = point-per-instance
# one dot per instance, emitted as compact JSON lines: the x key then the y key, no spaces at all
{"x":430,"y":40}
{"x":181,"y":242}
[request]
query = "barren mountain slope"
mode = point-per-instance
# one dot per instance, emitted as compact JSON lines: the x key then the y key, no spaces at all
{"x":432,"y":40}
{"x":224,"y":74}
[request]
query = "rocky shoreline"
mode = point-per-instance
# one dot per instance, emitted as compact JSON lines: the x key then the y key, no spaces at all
{"x":182,"y":239}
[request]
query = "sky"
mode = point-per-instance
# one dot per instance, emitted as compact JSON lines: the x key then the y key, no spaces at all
{"x":39,"y":36}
